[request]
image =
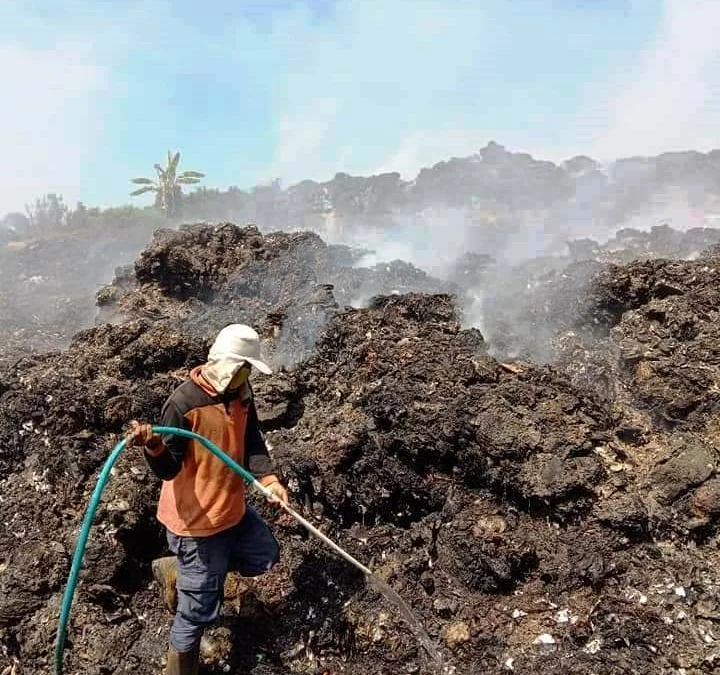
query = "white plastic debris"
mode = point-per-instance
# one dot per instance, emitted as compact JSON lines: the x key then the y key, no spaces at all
{"x":593,"y":646}
{"x":518,"y":614}
{"x":39,"y":483}
{"x":119,"y":505}
{"x":706,"y":635}
{"x":509,"y":664}
{"x":544,"y":639}
{"x":563,"y":616}
{"x":679,"y":591}
{"x":633,"y":594}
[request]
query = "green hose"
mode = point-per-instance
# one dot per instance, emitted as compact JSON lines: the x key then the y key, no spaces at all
{"x":378,"y":583}
{"x":90,"y":515}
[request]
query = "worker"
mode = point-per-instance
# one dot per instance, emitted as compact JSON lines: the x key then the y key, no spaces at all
{"x":210,"y":528}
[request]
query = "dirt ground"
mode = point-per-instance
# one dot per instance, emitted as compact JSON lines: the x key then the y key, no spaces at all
{"x":538,"y":519}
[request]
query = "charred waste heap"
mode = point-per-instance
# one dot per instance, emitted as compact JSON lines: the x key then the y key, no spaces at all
{"x":535,"y":524}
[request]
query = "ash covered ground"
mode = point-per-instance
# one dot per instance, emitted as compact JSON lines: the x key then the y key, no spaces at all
{"x":545,"y":505}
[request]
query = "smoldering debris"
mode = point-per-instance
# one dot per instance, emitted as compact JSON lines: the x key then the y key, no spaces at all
{"x":533,"y":523}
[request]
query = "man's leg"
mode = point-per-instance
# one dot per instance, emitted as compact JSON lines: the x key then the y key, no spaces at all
{"x":254,"y":548}
{"x":202,"y":564}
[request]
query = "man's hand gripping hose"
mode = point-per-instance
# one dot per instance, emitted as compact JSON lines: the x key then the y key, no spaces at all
{"x":268,"y":492}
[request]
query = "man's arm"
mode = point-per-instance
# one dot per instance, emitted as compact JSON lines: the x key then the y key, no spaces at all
{"x":165,"y":456}
{"x":257,"y":459}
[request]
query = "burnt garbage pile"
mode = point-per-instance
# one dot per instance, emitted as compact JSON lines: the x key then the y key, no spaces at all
{"x":61,"y":412}
{"x":660,"y":241}
{"x":642,"y":337}
{"x":501,"y":481}
{"x":289,"y":284}
{"x":651,"y":325}
{"x":657,"y":354}
{"x":384,"y":495}
{"x":527,"y":308}
{"x":47,"y":286}
{"x":530,"y":523}
{"x":518,"y":514}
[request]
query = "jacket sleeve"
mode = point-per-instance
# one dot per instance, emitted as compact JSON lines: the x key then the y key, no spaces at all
{"x":257,"y":459}
{"x":167,"y":465}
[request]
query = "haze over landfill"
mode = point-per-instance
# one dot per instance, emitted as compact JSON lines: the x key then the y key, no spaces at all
{"x":480,"y":242}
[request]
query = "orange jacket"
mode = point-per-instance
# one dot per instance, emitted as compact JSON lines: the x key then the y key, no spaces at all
{"x":200,"y":495}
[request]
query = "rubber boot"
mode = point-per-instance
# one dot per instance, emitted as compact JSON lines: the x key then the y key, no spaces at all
{"x":164,"y":571}
{"x":182,"y":663}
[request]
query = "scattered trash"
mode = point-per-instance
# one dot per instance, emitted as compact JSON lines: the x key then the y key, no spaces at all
{"x":545,"y":641}
{"x":593,"y":646}
{"x":565,"y":616}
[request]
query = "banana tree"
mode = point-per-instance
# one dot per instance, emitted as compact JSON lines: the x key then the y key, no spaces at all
{"x":166,"y":187}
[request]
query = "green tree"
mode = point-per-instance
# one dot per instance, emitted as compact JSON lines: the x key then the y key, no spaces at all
{"x":168,"y":192}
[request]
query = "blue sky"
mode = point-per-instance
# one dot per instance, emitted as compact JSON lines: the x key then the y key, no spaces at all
{"x":96,"y":91}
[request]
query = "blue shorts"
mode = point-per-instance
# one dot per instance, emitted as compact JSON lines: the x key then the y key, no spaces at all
{"x":203,"y":563}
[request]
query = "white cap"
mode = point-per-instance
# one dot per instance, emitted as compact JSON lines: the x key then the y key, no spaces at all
{"x":237,"y":343}
{"x":234,"y":346}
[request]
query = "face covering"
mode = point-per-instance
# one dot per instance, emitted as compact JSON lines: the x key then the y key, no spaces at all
{"x":239,"y":378}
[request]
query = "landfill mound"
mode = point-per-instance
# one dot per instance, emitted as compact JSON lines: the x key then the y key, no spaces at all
{"x":535,"y":522}
{"x":48,"y":284}
{"x":526,"y":308}
{"x":660,"y":241}
{"x":47,"y":287}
